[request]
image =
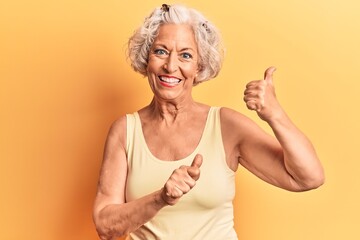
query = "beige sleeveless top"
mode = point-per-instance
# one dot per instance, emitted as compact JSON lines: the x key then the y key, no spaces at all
{"x":206,"y":212}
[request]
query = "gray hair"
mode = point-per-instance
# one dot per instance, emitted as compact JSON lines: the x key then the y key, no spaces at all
{"x":207,"y":37}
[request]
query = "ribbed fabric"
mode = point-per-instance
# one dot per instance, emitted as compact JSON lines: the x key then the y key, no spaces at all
{"x":206,"y":212}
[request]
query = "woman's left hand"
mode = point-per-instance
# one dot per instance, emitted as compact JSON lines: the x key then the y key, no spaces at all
{"x":260,"y":96}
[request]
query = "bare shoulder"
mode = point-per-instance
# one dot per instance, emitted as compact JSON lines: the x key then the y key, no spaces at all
{"x":237,"y":127}
{"x":228,"y":114}
{"x":233,"y":120}
{"x":118,"y":127}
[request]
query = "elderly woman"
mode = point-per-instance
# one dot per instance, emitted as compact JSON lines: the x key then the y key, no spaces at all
{"x":150,"y":184}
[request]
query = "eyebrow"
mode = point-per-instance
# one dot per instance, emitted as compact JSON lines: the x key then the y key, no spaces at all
{"x":181,"y":50}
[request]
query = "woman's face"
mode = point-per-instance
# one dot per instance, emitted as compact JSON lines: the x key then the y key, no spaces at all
{"x":173,"y":62}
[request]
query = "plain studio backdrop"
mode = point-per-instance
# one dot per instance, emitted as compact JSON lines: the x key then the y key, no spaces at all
{"x":65,"y":78}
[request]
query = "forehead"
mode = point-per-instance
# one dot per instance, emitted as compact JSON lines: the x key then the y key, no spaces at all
{"x":176,"y":35}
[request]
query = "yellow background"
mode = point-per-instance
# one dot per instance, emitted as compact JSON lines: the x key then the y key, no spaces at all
{"x":64,"y":79}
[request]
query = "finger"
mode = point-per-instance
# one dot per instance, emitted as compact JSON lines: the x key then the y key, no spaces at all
{"x":194,"y":169}
{"x":253,"y":105}
{"x":194,"y":172}
{"x":181,"y":178}
{"x":268,"y":75}
{"x":175,"y":192}
{"x":183,"y":187}
{"x":248,"y":98}
{"x":197,"y":161}
{"x":190,"y":182}
{"x":253,"y":94}
{"x":249,"y":91}
{"x":253,"y":83}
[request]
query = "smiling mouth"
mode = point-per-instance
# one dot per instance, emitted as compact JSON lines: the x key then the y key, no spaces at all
{"x":170,"y":81}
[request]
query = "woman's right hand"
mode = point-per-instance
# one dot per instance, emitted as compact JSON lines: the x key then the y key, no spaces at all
{"x":181,"y":181}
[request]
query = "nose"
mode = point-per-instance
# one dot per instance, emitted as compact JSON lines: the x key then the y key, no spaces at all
{"x":171,"y":65}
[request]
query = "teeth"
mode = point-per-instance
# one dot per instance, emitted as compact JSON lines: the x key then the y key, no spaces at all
{"x":169,"y":80}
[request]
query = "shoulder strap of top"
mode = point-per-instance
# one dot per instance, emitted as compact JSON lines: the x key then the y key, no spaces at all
{"x":212,"y":130}
{"x":218,"y":120}
{"x":214,"y":118}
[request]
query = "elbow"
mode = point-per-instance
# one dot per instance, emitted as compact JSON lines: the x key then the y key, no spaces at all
{"x":314,"y":184}
{"x":106,"y":230}
{"x":316,"y":181}
{"x":101,"y":229}
{"x":103,"y":233}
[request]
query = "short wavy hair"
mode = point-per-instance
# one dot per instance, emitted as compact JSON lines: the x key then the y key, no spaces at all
{"x":210,"y":48}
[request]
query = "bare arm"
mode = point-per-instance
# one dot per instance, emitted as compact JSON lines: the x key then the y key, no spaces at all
{"x":113,"y":216}
{"x":289,"y":161}
{"x":300,"y":158}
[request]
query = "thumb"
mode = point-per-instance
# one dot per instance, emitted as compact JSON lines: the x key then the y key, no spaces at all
{"x":194,"y":170}
{"x":197,"y":161}
{"x":268,"y":75}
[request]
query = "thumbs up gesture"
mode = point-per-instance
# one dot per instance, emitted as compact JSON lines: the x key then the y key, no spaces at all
{"x":181,"y":181}
{"x":260,"y":96}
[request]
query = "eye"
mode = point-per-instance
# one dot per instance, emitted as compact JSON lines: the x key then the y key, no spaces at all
{"x":160,"y":52}
{"x":186,"y":55}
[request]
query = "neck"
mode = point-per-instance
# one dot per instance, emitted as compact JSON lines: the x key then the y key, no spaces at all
{"x":171,"y":111}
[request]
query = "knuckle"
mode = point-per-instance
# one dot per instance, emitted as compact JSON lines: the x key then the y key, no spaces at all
{"x":257,"y":94}
{"x":258,"y":87}
{"x":196,"y":171}
{"x":192,"y":183}
{"x":260,"y":95}
{"x":182,"y":167}
{"x":177,"y":171}
{"x":173,"y":177}
{"x":185,"y":190}
{"x":178,"y":194}
{"x":168,"y":185}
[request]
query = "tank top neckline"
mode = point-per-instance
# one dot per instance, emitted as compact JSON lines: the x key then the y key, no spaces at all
{"x":185,"y":159}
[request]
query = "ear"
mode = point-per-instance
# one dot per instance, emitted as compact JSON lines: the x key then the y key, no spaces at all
{"x":199,"y":70}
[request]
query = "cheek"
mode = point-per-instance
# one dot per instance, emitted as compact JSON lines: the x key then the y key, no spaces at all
{"x":190,"y":71}
{"x":153,"y":64}
{"x":150,"y":71}
{"x":149,"y":67}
